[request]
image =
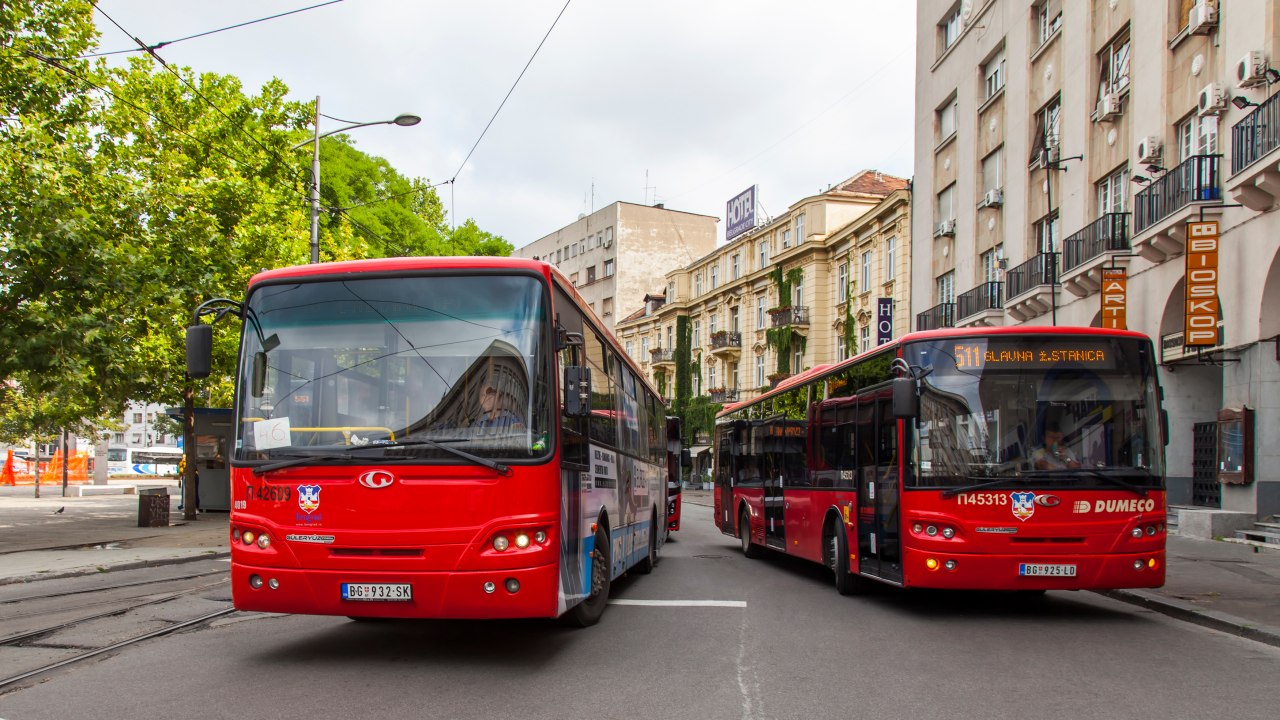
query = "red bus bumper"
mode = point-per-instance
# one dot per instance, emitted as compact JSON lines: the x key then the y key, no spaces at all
{"x":435,"y":594}
{"x":1001,"y":572}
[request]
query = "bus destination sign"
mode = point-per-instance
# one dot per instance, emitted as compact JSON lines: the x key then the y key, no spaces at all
{"x":977,"y":355}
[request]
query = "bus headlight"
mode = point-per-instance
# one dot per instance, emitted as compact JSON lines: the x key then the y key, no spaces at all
{"x":501,"y":543}
{"x":264,"y":541}
{"x":1136,"y":532}
{"x":522,"y":541}
{"x":539,"y":537}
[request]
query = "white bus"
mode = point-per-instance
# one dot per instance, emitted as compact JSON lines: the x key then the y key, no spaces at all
{"x":157,"y":460}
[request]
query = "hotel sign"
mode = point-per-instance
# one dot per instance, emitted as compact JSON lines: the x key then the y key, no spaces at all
{"x":884,"y":320}
{"x":741,"y":212}
{"x":1115,"y":298}
{"x":1201,"y":326}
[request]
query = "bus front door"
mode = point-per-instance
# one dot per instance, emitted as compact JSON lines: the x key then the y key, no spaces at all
{"x":879,"y":537}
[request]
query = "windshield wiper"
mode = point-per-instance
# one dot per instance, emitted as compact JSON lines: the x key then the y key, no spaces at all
{"x":1089,"y":472}
{"x":987,"y":481}
{"x":347,"y":455}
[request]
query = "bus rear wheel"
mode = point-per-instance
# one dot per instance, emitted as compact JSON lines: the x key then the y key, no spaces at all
{"x":588,"y":612}
{"x":749,"y":549}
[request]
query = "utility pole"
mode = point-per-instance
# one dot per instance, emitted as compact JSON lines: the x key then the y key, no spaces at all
{"x":315,"y":189}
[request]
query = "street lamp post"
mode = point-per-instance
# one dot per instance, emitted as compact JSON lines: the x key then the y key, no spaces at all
{"x":403,"y":120}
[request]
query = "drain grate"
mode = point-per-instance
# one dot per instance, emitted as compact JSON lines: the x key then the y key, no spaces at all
{"x":711,"y":557}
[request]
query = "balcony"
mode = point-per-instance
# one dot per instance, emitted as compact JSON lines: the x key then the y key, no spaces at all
{"x":662,"y":356}
{"x":983,"y":305}
{"x":1255,"y":162}
{"x":781,"y":317}
{"x":1162,"y":209}
{"x":1030,"y":289}
{"x":942,"y":315}
{"x":723,"y":396}
{"x":1091,"y":249}
{"x":727,"y":343}
{"x":1172,"y":349}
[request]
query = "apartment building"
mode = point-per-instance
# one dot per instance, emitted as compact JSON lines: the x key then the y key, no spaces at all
{"x":1056,"y":141}
{"x":622,"y":251}
{"x":800,"y":290}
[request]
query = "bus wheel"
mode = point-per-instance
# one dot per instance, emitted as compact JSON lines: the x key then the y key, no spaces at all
{"x":588,"y":612}
{"x":838,"y":560}
{"x":744,"y":533}
{"x":645,"y":566}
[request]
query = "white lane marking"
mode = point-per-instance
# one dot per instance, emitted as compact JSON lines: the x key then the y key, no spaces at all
{"x":219,"y":560}
{"x":682,"y":603}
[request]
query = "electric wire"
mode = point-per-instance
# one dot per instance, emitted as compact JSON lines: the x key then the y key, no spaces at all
{"x":157,"y":46}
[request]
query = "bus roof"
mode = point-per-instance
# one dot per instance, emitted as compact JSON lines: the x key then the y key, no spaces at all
{"x":925,"y":335}
{"x":401,"y":264}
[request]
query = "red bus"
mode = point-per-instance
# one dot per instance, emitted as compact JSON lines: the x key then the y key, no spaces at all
{"x":677,"y":459}
{"x":435,"y":438}
{"x":993,"y":458}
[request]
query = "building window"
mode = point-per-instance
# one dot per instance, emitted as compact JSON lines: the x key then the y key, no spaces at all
{"x":797,"y":360}
{"x":1047,"y":233}
{"x":697,"y":334}
{"x":799,"y":228}
{"x":735,"y":264}
{"x":1113,"y":64}
{"x":1048,"y":123}
{"x":573,"y":250}
{"x":991,"y":264}
{"x":1111,"y":192}
{"x":947,"y":118}
{"x":608,"y":236}
{"x":697,"y":285}
{"x":786,"y":238}
{"x":890,"y":259}
{"x":993,"y":74}
{"x":715,"y":276}
{"x":671,"y":291}
{"x":591,"y":274}
{"x":711,"y":323}
{"x":631,"y":346}
{"x":760,"y":371}
{"x":842,"y":348}
{"x":866,"y":271}
{"x":608,"y":268}
{"x":764,"y":254}
{"x":760,"y":302}
{"x":864,"y":338}
{"x":733,"y":320}
{"x":137,"y":438}
{"x":607,"y":306}
{"x":797,"y":291}
{"x":644,"y":349}
{"x":573,"y":279}
{"x":1048,"y":14}
{"x":946,"y":287}
{"x":949,"y":30}
{"x":1197,"y":136}
{"x":842,"y":283}
{"x":711,"y":376}
{"x":670,"y":343}
{"x":993,"y":170}
{"x":946,"y":209}
{"x":137,"y":418}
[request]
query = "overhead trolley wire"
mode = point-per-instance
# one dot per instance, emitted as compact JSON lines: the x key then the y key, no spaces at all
{"x":157,"y":46}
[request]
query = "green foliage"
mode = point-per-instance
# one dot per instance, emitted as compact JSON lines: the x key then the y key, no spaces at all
{"x":850,"y":332}
{"x":699,"y":418}
{"x":684,"y":374}
{"x":783,"y":340}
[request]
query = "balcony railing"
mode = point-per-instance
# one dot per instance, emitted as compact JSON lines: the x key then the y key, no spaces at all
{"x":1256,"y":135}
{"x":721,"y":340}
{"x":782,"y":317}
{"x":661,"y":355}
{"x":1039,"y":270}
{"x":986,"y":296}
{"x":942,"y":315}
{"x":1195,"y":180}
{"x":1107,"y":233}
{"x":724,"y":396}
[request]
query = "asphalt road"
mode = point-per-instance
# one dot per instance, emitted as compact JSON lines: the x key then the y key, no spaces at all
{"x":776,"y":642}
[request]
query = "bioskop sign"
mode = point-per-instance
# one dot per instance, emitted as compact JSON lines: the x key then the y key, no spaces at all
{"x":741,"y":213}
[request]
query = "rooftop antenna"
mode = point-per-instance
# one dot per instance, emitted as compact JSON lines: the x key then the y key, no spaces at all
{"x":647,"y":188}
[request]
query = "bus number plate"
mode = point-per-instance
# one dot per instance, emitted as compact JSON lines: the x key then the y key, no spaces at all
{"x":1038,"y":570}
{"x":378,"y":592}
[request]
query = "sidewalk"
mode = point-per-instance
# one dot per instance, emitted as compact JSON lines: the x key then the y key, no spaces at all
{"x":1227,"y":586}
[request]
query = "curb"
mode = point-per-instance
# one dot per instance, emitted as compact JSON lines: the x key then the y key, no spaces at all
{"x":1187,"y":612}
{"x":112,"y":568}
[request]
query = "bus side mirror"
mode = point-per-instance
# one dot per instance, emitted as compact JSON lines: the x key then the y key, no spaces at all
{"x":686,"y":459}
{"x":259,"y":374}
{"x":1164,"y":426}
{"x":199,"y":351}
{"x":906,"y":404}
{"x":577,"y":391}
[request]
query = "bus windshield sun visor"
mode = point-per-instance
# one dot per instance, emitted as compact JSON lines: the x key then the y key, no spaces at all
{"x":349,"y":454}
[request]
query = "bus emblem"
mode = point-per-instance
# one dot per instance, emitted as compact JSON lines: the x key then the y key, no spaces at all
{"x":1024,"y":504}
{"x":376,"y":479}
{"x":309,"y":498}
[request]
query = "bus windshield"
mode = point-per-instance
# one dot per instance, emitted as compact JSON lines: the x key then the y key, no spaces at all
{"x":1062,"y":410}
{"x":424,"y":365}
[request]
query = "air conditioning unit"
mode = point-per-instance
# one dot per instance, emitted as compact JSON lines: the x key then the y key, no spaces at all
{"x":993,"y":198}
{"x":1108,"y":107}
{"x":1149,"y":149}
{"x":607,"y":242}
{"x":946,"y":227}
{"x":1251,"y":71}
{"x":1213,"y":99}
{"x":1202,"y":18}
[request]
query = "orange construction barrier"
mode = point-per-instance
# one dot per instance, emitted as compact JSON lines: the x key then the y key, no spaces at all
{"x":6,"y":475}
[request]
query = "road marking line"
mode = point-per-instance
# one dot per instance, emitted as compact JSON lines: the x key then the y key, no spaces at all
{"x":682,"y":603}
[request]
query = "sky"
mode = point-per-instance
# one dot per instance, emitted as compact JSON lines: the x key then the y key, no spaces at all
{"x":681,"y":102}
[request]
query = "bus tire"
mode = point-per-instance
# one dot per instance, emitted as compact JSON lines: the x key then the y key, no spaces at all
{"x":838,"y":560}
{"x":588,"y":612}
{"x":645,"y":566}
{"x":749,"y":549}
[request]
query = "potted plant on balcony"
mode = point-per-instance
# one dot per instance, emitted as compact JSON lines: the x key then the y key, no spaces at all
{"x":719,"y":336}
{"x":777,"y":377}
